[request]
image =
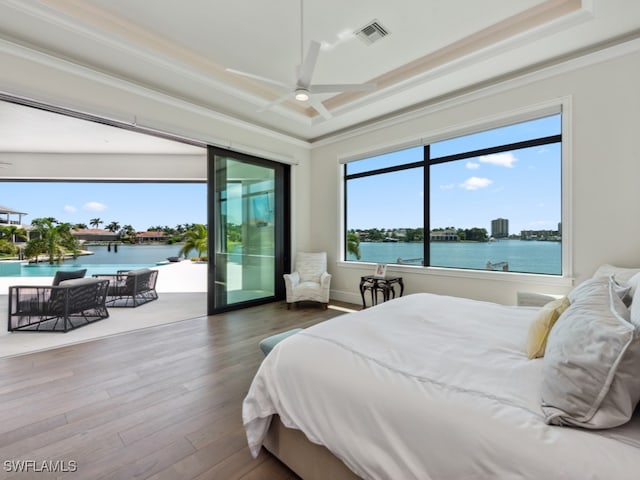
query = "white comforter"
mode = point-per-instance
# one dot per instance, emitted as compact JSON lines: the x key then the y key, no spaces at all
{"x":429,"y":387}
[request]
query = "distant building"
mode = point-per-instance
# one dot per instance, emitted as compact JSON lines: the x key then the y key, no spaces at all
{"x":544,"y":235}
{"x":151,"y":237}
{"x":447,"y":235}
{"x":500,"y":228}
{"x":95,"y":235}
{"x":6,"y":215}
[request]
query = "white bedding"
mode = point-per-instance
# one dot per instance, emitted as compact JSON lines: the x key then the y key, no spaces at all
{"x":429,"y":387}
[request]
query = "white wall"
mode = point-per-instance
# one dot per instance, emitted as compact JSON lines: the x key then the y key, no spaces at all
{"x":605,"y":149}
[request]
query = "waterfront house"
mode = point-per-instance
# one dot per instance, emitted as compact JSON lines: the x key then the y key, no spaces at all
{"x":446,"y":235}
{"x":11,"y":217}
{"x":95,"y":235}
{"x":440,"y":72}
{"x":150,"y":237}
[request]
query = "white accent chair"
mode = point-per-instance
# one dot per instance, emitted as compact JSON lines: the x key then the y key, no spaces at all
{"x":309,"y":280}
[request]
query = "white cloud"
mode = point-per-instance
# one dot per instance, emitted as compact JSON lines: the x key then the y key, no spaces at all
{"x":500,"y":159}
{"x":475,"y":183}
{"x":70,"y":209}
{"x":95,"y":206}
{"x":472,"y":165}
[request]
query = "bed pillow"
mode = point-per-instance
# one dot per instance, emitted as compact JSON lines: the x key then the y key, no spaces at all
{"x":591,"y":365}
{"x":633,"y":284}
{"x":634,"y":310}
{"x":541,"y":326}
{"x":621,"y":274}
{"x":597,"y":286}
{"x":627,"y":277}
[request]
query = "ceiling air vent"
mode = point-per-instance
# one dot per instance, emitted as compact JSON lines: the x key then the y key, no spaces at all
{"x":372,"y":32}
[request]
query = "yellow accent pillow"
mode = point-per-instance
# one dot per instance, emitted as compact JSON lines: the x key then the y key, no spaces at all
{"x":541,"y":326}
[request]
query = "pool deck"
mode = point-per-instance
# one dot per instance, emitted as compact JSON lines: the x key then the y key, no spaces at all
{"x":181,"y":287}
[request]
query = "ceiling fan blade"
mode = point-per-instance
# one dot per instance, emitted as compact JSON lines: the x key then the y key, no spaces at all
{"x":348,"y":87}
{"x":260,"y":78}
{"x":277,"y":101}
{"x":306,"y":69}
{"x":319,"y":107}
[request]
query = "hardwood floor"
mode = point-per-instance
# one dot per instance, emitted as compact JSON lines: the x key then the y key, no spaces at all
{"x":160,"y":403}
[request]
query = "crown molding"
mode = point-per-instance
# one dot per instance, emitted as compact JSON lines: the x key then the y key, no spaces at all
{"x":612,"y":49}
{"x":90,"y":21}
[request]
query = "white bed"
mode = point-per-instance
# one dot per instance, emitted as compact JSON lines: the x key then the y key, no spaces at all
{"x":430,"y":387}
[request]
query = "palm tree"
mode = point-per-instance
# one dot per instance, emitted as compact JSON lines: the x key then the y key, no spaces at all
{"x":195,"y":239}
{"x":7,"y":248}
{"x":51,"y":238}
{"x":128,"y":233}
{"x":11,"y":232}
{"x":95,"y":222}
{"x":353,"y":244}
{"x":8,"y":236}
{"x":113,"y":227}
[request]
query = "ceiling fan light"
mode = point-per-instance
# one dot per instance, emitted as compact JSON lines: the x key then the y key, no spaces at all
{"x":302,"y":95}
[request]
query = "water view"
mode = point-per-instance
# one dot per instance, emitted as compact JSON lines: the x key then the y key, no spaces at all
{"x":522,"y":256}
{"x":105,"y":259}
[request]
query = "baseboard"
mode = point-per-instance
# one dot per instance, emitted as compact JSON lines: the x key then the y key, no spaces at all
{"x":348,"y":297}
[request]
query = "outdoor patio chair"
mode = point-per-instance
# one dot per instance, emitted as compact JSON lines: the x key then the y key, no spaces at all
{"x":57,"y":308}
{"x":131,"y":288}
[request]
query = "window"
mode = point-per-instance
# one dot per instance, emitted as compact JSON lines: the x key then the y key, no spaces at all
{"x":491,"y":200}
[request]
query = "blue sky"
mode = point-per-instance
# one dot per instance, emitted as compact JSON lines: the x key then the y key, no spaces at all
{"x":141,"y":205}
{"x":523,"y":186}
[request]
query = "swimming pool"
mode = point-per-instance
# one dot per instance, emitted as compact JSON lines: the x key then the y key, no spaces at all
{"x":46,"y":270}
{"x":102,"y":260}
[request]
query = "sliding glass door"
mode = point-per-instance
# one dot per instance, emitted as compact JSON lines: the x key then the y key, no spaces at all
{"x":248,"y":244}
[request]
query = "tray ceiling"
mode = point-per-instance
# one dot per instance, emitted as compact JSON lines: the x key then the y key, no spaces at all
{"x":433,"y":48}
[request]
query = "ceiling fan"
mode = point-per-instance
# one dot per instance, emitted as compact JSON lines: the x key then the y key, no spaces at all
{"x":303,"y":90}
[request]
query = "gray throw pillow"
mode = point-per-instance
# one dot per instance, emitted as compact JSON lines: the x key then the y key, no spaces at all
{"x":591,"y":367}
{"x":634,"y":309}
{"x":62,"y":275}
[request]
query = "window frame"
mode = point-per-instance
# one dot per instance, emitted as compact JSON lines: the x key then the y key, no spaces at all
{"x":558,"y":106}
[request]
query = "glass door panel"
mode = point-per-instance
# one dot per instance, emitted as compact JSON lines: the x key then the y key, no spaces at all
{"x":247,"y":257}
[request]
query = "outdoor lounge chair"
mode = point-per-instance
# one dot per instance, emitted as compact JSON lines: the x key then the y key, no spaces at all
{"x":57,"y":308}
{"x":131,"y":288}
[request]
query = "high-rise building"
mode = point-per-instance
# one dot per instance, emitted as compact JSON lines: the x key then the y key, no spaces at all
{"x":500,"y":228}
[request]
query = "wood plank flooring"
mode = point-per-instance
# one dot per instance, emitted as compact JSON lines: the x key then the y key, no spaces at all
{"x":159,"y":403}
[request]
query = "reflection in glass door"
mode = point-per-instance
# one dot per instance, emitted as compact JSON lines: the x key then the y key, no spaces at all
{"x":248,"y":206}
